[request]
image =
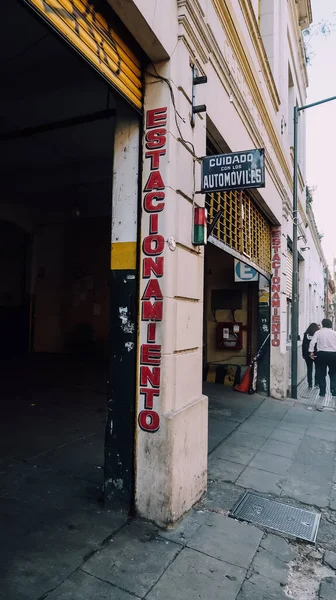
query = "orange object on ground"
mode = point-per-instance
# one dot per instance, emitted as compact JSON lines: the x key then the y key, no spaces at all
{"x":244,"y":386}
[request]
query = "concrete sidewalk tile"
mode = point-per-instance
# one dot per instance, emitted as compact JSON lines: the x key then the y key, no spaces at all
{"x":317,"y":460}
{"x":134,"y":559}
{"x":260,"y":588}
{"x":218,"y":431}
{"x":317,"y":474}
{"x":81,"y":586}
{"x":270,"y":566}
{"x":288,"y":437}
{"x":326,"y":535}
{"x":279,"y":547}
{"x":263,"y":421}
{"x":312,"y":445}
{"x":328,"y":589}
{"x":258,"y":428}
{"x":273,"y":409}
{"x":220,"y":497}
{"x":228,"y":540}
{"x":278,"y":448}
{"x":184,"y":529}
{"x":223,"y":470}
{"x":235,"y":454}
{"x":299,"y":412}
{"x":194,"y":575}
{"x":247,"y":440}
{"x":329,"y":559}
{"x":306,"y":492}
{"x":330,"y":424}
{"x":260,"y":481}
{"x":322,"y":434}
{"x":298,"y":428}
{"x":271,"y":463}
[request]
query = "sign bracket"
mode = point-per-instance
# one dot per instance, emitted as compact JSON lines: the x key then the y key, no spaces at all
{"x":196,"y":80}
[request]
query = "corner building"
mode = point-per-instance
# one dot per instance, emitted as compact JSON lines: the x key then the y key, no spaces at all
{"x":253,"y":57}
{"x":107,"y":154}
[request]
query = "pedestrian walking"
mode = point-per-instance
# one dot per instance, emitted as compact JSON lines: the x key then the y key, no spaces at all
{"x":307,"y":338}
{"x":325,"y":340}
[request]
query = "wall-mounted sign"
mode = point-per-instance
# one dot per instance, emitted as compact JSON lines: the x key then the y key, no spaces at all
{"x":153,"y":269}
{"x":276,"y":287}
{"x":234,"y":171}
{"x":243,"y":272}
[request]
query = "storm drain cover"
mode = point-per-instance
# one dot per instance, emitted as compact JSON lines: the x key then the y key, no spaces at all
{"x":278,"y":516}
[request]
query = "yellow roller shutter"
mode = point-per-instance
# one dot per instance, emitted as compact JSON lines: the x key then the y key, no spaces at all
{"x":90,"y":34}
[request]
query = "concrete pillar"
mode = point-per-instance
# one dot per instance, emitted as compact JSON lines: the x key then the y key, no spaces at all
{"x":171,"y":443}
{"x":279,"y":355}
{"x":119,"y":438}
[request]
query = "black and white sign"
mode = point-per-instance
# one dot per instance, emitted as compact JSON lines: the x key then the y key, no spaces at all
{"x":234,"y":171}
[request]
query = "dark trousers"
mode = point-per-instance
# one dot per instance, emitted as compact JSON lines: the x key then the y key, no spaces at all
{"x":309,"y":363}
{"x":324,"y":360}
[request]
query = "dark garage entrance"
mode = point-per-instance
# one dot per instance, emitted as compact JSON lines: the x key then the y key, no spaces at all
{"x":56,"y":140}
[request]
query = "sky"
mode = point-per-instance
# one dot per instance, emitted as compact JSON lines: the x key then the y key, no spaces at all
{"x":321,"y":127}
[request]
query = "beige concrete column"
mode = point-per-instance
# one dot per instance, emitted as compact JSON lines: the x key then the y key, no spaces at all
{"x":279,"y":369}
{"x":172,"y":425}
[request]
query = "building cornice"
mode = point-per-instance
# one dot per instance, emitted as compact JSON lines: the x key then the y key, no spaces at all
{"x":202,"y":44}
{"x":305,"y":13}
{"x":191,"y":18}
{"x":226,"y":20}
{"x":298,"y":35}
{"x":253,"y":28}
{"x":315,"y":233}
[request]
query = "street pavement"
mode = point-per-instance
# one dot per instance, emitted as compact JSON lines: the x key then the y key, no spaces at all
{"x":280,"y":449}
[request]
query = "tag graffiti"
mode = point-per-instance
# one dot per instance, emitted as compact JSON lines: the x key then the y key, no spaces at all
{"x":275,"y":290}
{"x":152,"y":270}
{"x":90,"y":27}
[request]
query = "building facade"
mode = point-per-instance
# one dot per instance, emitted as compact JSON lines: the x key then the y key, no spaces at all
{"x":117,"y":234}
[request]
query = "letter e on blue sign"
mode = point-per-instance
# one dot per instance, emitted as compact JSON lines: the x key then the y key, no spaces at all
{"x":244,"y":272}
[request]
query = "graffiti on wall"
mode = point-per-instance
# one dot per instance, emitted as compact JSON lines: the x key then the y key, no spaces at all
{"x":152,"y":269}
{"x":275,"y":287}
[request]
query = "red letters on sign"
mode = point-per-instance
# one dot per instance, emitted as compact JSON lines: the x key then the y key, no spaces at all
{"x":153,"y":245}
{"x":156,"y":117}
{"x":152,"y":269}
{"x":276,"y":288}
{"x":156,"y":139}
{"x":155,"y":182}
{"x":152,"y":290}
{"x":154,"y":155}
{"x":149,"y":200}
{"x":152,"y":312}
{"x":153,"y":265}
{"x":149,"y":420}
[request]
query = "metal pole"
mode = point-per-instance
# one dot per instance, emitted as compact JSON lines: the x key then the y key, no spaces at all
{"x":295,"y":299}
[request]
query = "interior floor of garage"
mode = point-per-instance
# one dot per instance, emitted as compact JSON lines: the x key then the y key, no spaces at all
{"x":51,"y":512}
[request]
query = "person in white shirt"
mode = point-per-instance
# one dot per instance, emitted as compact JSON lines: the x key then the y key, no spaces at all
{"x":325,"y":340}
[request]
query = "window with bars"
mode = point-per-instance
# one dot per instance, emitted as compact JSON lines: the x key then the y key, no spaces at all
{"x":241,"y":225}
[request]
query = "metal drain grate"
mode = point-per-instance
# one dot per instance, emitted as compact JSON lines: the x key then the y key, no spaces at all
{"x":276,"y":515}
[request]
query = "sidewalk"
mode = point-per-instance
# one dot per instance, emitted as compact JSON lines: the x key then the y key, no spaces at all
{"x":282,"y":449}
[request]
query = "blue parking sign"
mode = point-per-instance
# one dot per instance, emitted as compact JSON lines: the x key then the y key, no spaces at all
{"x":244,"y":272}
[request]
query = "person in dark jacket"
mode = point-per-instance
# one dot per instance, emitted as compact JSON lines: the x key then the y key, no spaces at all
{"x":308,"y":336}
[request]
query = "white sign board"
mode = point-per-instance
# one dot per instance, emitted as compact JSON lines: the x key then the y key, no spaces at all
{"x":243,"y":272}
